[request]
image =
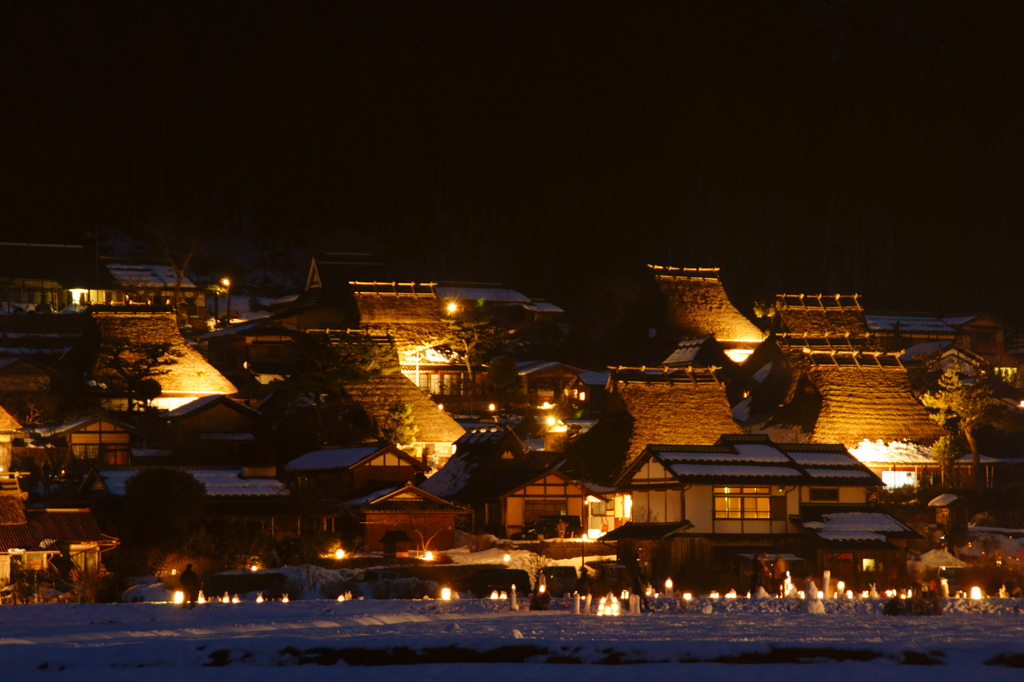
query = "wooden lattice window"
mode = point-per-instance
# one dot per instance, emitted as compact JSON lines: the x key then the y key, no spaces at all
{"x":747,"y":502}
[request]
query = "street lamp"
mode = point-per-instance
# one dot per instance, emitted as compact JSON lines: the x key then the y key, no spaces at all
{"x":227,"y":286}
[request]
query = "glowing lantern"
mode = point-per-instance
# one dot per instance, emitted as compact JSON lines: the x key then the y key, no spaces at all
{"x":494,"y":594}
{"x":910,"y":593}
{"x":713,"y":595}
{"x":849,"y":594}
{"x":821,"y":595}
{"x":507,"y":558}
{"x":975,"y":593}
{"x":285,"y":599}
{"x":492,"y":407}
{"x":202,"y":597}
{"x":551,"y":421}
{"x":731,"y":594}
{"x":542,"y":588}
{"x":648,"y":592}
{"x":259,"y":598}
{"x":429,"y":556}
{"x":668,"y":584}
{"x":801,"y":594}
{"x":254,"y":568}
{"x":226,"y":598}
{"x":341,"y":597}
{"x":452,"y":308}
{"x":179,"y":597}
{"x":446,"y":593}
{"x":340,"y":554}
{"x":687,"y":596}
{"x":174,"y":571}
{"x":840,"y":587}
{"x":625,"y":594}
{"x":865,"y":594}
{"x":503,"y":595}
{"x":235,"y":599}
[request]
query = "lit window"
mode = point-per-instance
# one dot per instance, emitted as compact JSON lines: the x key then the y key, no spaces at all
{"x":750,"y":502}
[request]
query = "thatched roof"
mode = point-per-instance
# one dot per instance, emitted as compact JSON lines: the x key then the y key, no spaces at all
{"x":7,"y":422}
{"x":40,"y":334}
{"x":376,"y":396}
{"x":12,"y":510}
{"x":873,"y":402}
{"x":697,"y":306}
{"x":190,"y":374}
{"x":673,"y":407}
{"x":820,"y":314}
{"x":408,"y":313}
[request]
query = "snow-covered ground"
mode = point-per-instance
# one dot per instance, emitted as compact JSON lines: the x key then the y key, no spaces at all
{"x":318,"y":639}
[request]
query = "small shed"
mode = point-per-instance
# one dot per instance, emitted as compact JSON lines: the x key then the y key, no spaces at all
{"x":427,"y":519}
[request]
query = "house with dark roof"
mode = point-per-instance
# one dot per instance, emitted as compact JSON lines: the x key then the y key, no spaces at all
{"x":79,"y":444}
{"x":38,"y":539}
{"x":340,"y":473}
{"x":426,"y":519}
{"x":43,"y":337}
{"x":213,"y":429}
{"x":987,"y":336}
{"x":747,"y":492}
{"x":587,"y":394}
{"x":507,"y":487}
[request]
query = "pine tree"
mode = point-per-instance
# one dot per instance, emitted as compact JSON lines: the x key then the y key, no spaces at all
{"x":965,"y":408}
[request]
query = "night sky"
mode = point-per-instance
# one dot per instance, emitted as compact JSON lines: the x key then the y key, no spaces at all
{"x":858,"y":147}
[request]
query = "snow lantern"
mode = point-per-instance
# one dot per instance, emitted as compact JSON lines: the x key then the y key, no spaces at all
{"x":179,"y":597}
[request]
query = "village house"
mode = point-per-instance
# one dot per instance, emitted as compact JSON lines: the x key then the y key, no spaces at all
{"x":72,"y":447}
{"x":251,"y":495}
{"x":42,"y":337}
{"x":506,"y":487}
{"x":38,"y":539}
{"x":213,"y":430}
{"x":696,"y":510}
{"x":986,"y":336}
{"x":901,"y":331}
{"x":188,"y":377}
{"x":427,"y":520}
{"x":587,"y":394}
{"x":650,"y":406}
{"x":340,"y":473}
{"x":10,"y":428}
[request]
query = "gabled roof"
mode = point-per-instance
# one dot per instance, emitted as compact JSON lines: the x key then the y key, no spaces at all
{"x":147,"y":275}
{"x":861,"y":526}
{"x":697,"y":306}
{"x":44,"y":529}
{"x":329,"y":459}
{"x":378,"y":395}
{"x":820,"y":314}
{"x":200,"y":405}
{"x":668,"y":407}
{"x":77,"y":425}
{"x":756,"y":460}
{"x":407,"y":499}
{"x":190,"y":374}
{"x":19,"y":365}
{"x":477,"y":456}
{"x":908,"y":323}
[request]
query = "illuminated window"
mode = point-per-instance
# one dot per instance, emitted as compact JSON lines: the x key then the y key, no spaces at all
{"x":742,"y":502}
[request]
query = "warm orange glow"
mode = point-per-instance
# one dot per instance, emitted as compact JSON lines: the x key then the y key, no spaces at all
{"x":226,"y":282}
{"x":259,"y":598}
{"x":429,"y":556}
{"x":975,"y":593}
{"x":507,"y":558}
{"x":583,"y":395}
{"x":446,"y":593}
{"x":254,"y":568}
{"x":179,"y":597}
{"x":340,"y":554}
{"x":452,"y":307}
{"x":494,"y":594}
{"x":687,"y":596}
{"x":492,"y":407}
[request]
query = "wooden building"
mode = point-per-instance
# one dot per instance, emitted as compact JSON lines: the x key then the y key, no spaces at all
{"x":506,"y":487}
{"x":95,"y":440}
{"x":213,"y":430}
{"x":10,"y":428}
{"x":747,"y":492}
{"x":426,"y":519}
{"x":650,"y":406}
{"x":339,"y":473}
{"x":189,"y":377}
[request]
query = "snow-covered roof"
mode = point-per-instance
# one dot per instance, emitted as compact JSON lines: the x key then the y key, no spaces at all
{"x":847,"y":522}
{"x":943,"y":500}
{"x":820,"y":458}
{"x":231,"y":331}
{"x":838,"y":473}
{"x":218,"y":482}
{"x":543,"y":307}
{"x":855,"y":536}
{"x":685,"y":352}
{"x":142,"y":275}
{"x":69,"y":427}
{"x":962,"y":319}
{"x":150,"y":452}
{"x":756,"y":452}
{"x":482,"y":294}
{"x":595,"y":378}
{"x":926,"y":348}
{"x":895,"y":452}
{"x":908,"y":323}
{"x":375,"y":495}
{"x":332,"y":458}
{"x":762,"y":374}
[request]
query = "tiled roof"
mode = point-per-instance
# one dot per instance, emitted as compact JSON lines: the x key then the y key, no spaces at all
{"x":218,"y":482}
{"x":43,"y":529}
{"x":333,"y":458}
